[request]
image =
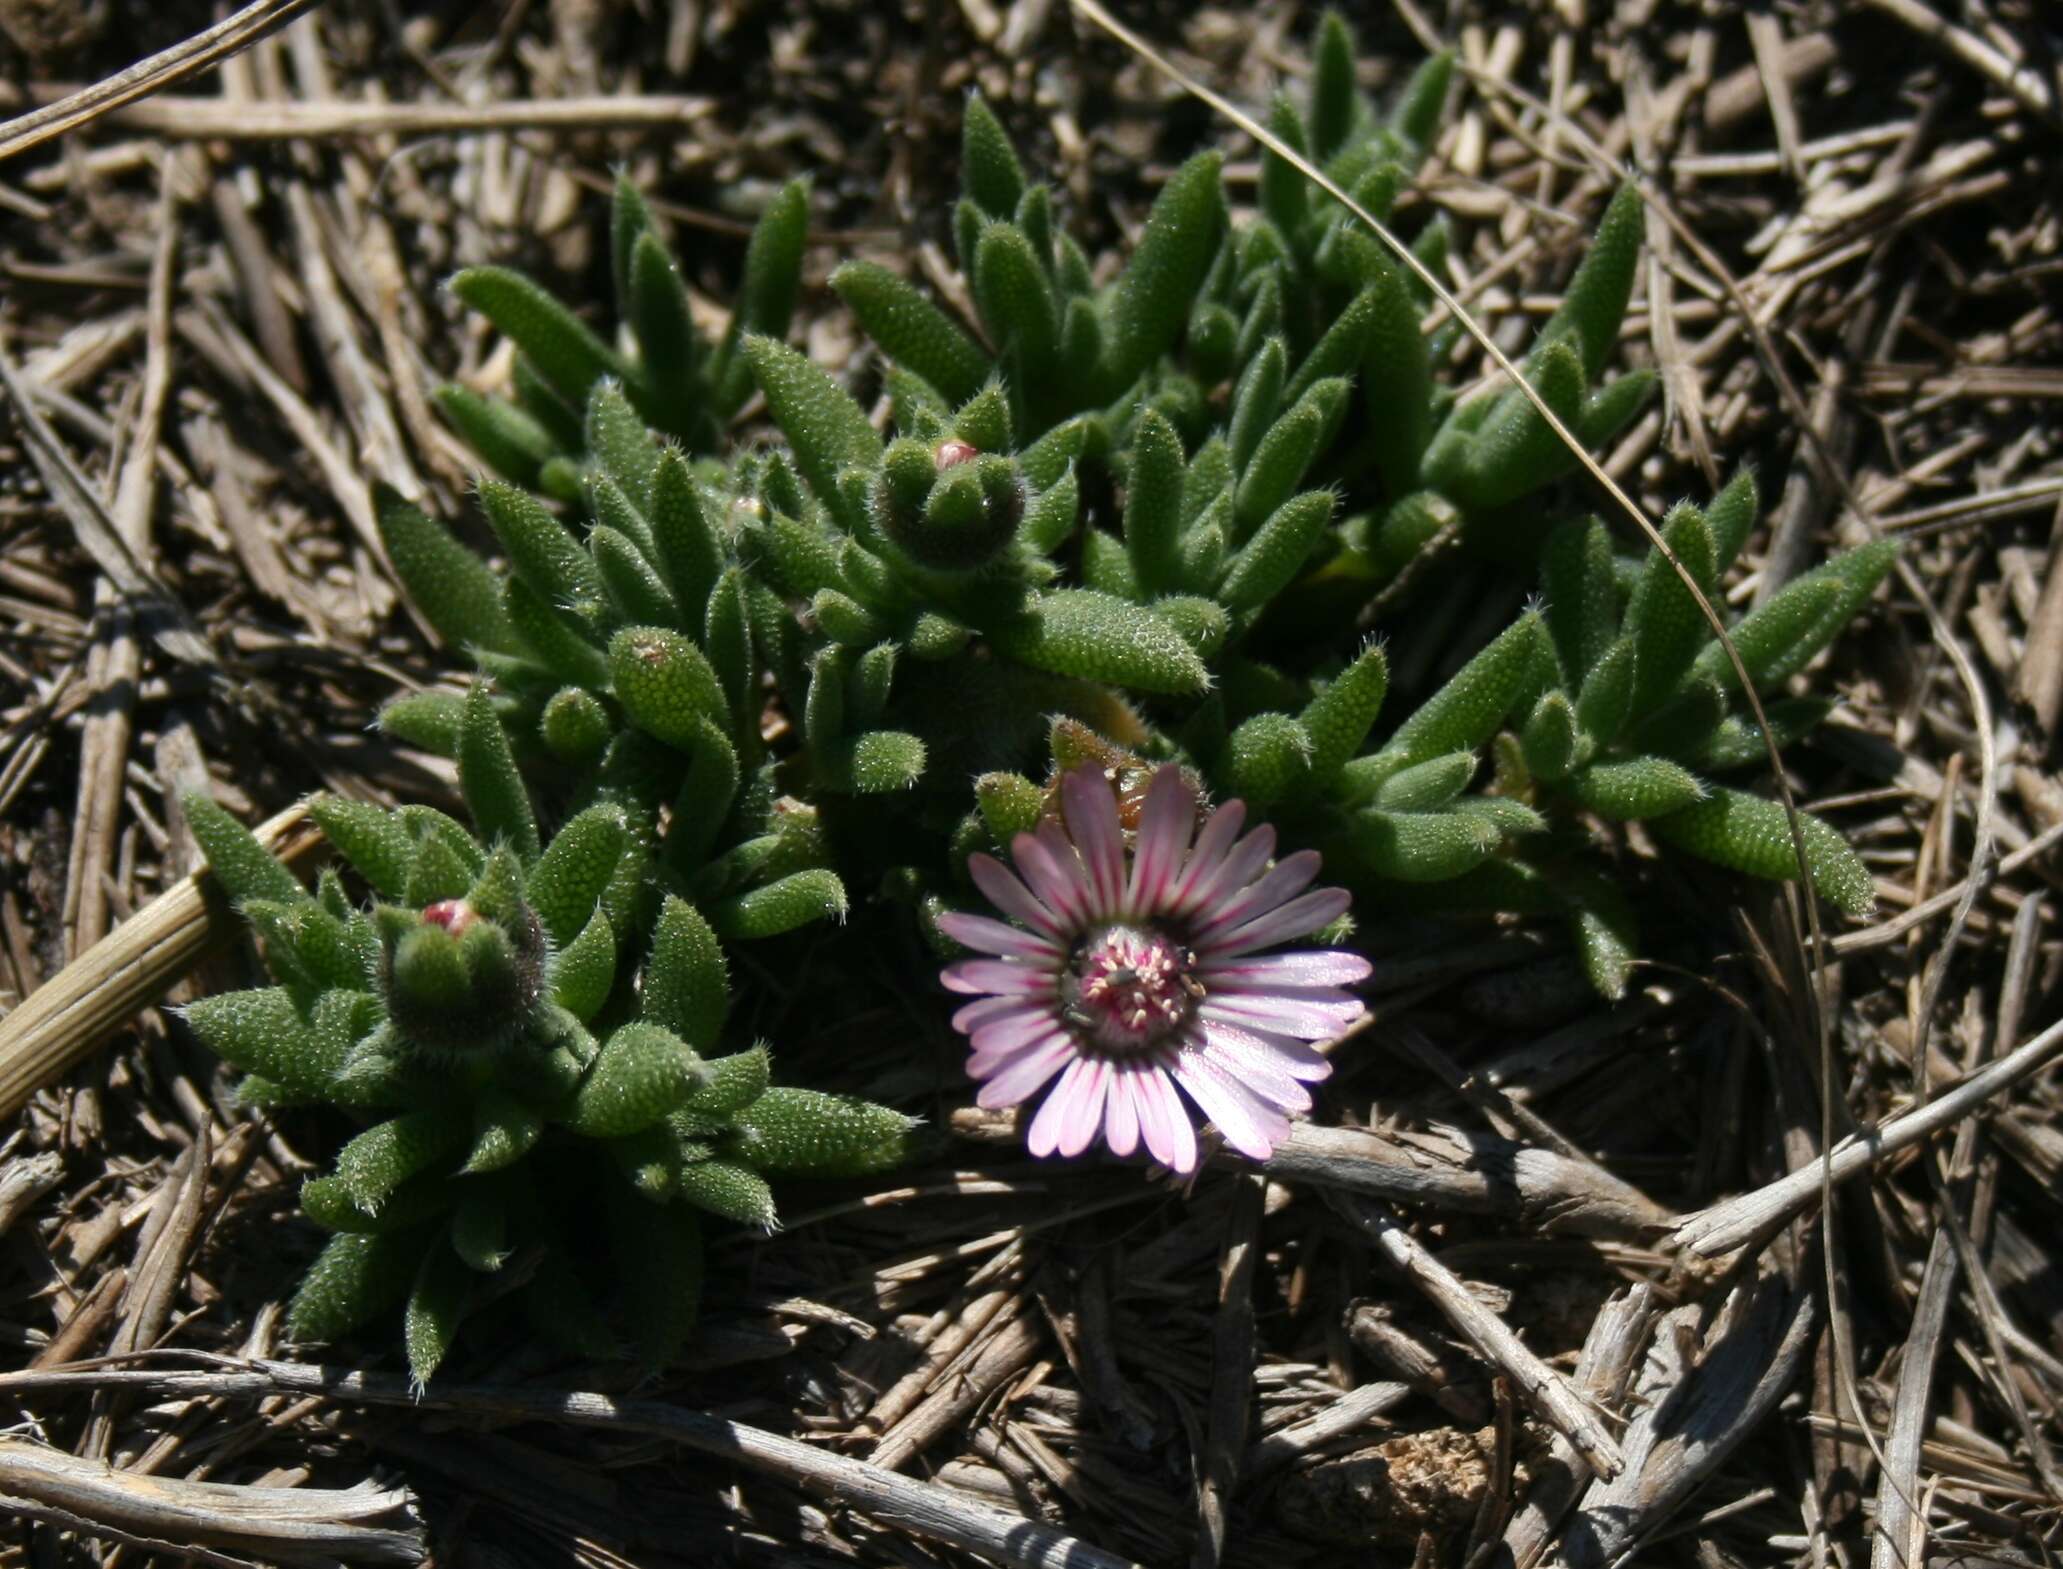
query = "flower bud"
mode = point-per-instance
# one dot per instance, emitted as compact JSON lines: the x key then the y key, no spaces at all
{"x":456,"y":981}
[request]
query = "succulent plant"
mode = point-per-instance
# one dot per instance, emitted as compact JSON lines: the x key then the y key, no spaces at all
{"x":489,"y":1012}
{"x":1105,"y":529}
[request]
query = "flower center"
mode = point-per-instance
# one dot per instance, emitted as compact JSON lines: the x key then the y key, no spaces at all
{"x":1129,"y":988}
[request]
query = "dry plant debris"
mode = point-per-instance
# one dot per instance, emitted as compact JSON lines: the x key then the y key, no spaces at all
{"x":220,"y":318}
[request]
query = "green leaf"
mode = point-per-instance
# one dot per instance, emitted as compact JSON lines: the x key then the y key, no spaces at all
{"x":243,"y":866}
{"x":1462,"y":714}
{"x":1010,"y":804}
{"x":826,"y":429}
{"x":1340,"y":351}
{"x":877,"y":762}
{"x":641,"y":1074}
{"x":990,"y":174}
{"x":1270,"y":561}
{"x":690,"y":554}
{"x":670,"y":348}
{"x":1427,"y":786}
{"x":1257,"y":400}
{"x":726,"y":1188}
{"x":488,"y":778}
{"x":561,"y":644}
{"x":1638,"y":787}
{"x":1613,"y":406}
{"x":1737,"y":743}
{"x":583,"y":971}
{"x":503,"y":1132}
{"x":1397,"y":377}
{"x":1079,"y":632}
{"x":805,"y":1133}
{"x":814,"y":894}
{"x":686,"y":987}
{"x":1151,"y":299}
{"x":575,"y":726}
{"x":1153,"y":504}
{"x":480,"y":1228}
{"x":735,"y":1081}
{"x":1285,"y":191}
{"x":263,"y":1032}
{"x":1416,"y":847}
{"x":1284,"y":455}
{"x":1015,"y":299}
{"x":1750,"y":834}
{"x":773,"y":264}
{"x":911,"y":330}
{"x":435,"y":1307}
{"x":1732,"y":516}
{"x":1516,"y":452}
{"x":1582,"y":592}
{"x":557,"y":342}
{"x":619,"y":441}
{"x":1594,"y":304}
{"x":1051,"y":515}
{"x":1338,"y":718}
{"x":1550,"y":738}
{"x":546,"y":558}
{"x":666,"y":684}
{"x":355,"y":1278}
{"x":1859,"y":571}
{"x":511,"y":442}
{"x":327,"y":1202}
{"x":1663,"y":617}
{"x":1415,"y":116}
{"x":1203,"y":623}
{"x":1607,"y":941}
{"x":662,"y":1292}
{"x":1267,"y":757}
{"x":1334,"y":97}
{"x":453,"y":588}
{"x":633,"y":587}
{"x":1605,"y":703}
{"x":1767,"y":636}
{"x":371,"y":839}
{"x":383,"y":1157}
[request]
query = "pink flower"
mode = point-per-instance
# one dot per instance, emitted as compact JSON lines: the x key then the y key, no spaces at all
{"x":1135,"y":975}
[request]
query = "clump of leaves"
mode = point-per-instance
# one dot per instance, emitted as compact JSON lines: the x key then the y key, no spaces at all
{"x":486,"y":1014}
{"x":1143,"y":519}
{"x":671,"y":378}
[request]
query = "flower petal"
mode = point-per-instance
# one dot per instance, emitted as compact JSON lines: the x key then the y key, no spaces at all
{"x":1249,"y":1125}
{"x":1241,"y":865}
{"x":1253,"y":1064}
{"x":1121,"y":1114}
{"x":1164,"y":1121}
{"x":1165,"y":823}
{"x":1286,"y":879}
{"x":1005,"y":976}
{"x":1299,"y":918}
{"x":1305,"y":1015}
{"x":1209,"y":854}
{"x":984,"y":935}
{"x":969,"y":1017}
{"x":1054,"y":872}
{"x":1293,"y":1057}
{"x":1002,"y":888}
{"x":1085,"y":1119}
{"x":1015,"y":1081}
{"x":1318,"y":967}
{"x":1008,"y":1031}
{"x":1043,"y":1136}
{"x":1091,"y":812}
